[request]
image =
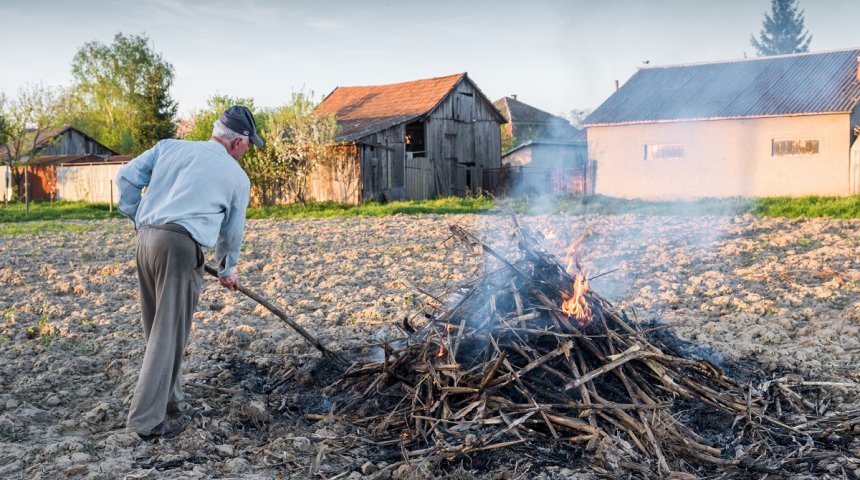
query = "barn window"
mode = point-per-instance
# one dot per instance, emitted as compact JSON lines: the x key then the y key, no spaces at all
{"x":782,"y":148}
{"x":664,"y":151}
{"x":414,"y":139}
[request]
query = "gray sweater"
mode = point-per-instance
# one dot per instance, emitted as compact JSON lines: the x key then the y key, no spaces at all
{"x":193,"y":184}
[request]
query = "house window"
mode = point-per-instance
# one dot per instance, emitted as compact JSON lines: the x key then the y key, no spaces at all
{"x":782,"y":148}
{"x":664,"y":151}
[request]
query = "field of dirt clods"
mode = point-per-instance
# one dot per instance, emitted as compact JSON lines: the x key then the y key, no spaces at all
{"x":781,"y":294}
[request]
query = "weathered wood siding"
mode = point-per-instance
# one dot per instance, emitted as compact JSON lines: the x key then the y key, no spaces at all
{"x":339,"y":181}
{"x":72,"y":142}
{"x":383,"y":168}
{"x":463,"y":138}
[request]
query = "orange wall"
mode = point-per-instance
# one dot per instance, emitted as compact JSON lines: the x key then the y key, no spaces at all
{"x":721,"y":158}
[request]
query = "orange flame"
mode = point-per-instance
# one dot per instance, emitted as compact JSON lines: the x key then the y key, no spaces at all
{"x":442,"y":351}
{"x":575,"y":305}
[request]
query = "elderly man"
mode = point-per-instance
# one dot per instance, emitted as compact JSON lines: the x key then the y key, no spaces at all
{"x":196,"y":194}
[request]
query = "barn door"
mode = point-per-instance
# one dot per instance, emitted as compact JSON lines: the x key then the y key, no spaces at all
{"x":419,"y":177}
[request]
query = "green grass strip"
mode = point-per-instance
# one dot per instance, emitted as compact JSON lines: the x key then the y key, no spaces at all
{"x":59,"y":210}
{"x":811,"y":206}
{"x":447,"y":205}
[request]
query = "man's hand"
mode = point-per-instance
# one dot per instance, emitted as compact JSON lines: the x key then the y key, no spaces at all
{"x":230,"y":283}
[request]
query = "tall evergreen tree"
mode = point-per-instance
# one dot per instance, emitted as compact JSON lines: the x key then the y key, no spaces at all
{"x":122,"y":93}
{"x":782,"y":30}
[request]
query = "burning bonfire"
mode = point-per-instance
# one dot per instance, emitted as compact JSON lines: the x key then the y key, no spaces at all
{"x":529,"y":355}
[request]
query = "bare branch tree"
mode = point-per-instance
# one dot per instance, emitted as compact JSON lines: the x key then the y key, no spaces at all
{"x":28,"y":117}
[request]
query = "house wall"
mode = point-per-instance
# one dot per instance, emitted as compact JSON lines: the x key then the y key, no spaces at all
{"x":721,"y":158}
{"x":74,"y":142}
{"x":463,"y":138}
{"x":559,"y":156}
{"x":91,"y":183}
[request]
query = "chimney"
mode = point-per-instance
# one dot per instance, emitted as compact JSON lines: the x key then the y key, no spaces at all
{"x":616,"y":85}
{"x":858,"y":68}
{"x":514,"y":95}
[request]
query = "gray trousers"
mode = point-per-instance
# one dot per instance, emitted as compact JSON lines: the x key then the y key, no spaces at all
{"x":170,"y":272}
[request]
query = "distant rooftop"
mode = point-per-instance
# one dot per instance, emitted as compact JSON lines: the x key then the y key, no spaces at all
{"x":800,"y":84}
{"x":363,"y":110}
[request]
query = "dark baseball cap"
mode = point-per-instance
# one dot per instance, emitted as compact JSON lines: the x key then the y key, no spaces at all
{"x":239,"y":119}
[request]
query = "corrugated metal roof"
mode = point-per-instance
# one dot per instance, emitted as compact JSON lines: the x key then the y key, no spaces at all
{"x":782,"y":85}
{"x":554,"y":143}
{"x":363,"y":110}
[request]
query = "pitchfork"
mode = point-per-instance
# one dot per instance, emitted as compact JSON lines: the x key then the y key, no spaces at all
{"x":327,"y":354}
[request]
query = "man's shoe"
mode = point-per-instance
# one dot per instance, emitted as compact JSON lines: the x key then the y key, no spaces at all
{"x":168,"y":428}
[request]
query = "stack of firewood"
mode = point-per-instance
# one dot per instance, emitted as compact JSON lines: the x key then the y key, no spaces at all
{"x":529,"y":353}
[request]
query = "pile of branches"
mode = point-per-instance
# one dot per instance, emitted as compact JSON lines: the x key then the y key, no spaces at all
{"x":528,"y":354}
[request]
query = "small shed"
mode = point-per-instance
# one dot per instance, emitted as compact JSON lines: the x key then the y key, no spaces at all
{"x":64,"y":145}
{"x":413,"y":140}
{"x":541,"y":166}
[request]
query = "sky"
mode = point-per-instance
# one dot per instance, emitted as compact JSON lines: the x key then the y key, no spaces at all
{"x":555,"y":55}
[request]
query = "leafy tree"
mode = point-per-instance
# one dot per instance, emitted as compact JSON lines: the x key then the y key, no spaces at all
{"x":298,"y":143}
{"x":215,"y":106}
{"x":782,"y":30}
{"x":509,"y":141}
{"x":577,"y":116}
{"x":4,"y":124}
{"x":27,"y":117}
{"x":121,"y":93}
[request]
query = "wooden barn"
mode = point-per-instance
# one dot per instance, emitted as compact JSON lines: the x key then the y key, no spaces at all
{"x":769,"y":126}
{"x":64,"y":145}
{"x":412,"y":140}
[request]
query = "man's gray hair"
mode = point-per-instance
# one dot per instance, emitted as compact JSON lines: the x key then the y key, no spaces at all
{"x":221,"y":131}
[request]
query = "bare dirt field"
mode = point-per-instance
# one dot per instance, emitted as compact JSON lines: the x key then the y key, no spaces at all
{"x":783,"y":294}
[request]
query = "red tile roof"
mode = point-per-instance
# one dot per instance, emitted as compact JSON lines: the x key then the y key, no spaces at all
{"x":364,"y":110}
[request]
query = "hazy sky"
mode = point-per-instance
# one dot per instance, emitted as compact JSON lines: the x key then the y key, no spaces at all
{"x":556,"y":55}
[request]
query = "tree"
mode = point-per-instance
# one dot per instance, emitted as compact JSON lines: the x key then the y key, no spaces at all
{"x":577,"y":116}
{"x":121,"y":93}
{"x":27,"y":117}
{"x":782,"y":30}
{"x":298,"y":142}
{"x":201,"y":130}
{"x":4,"y":125}
{"x":215,"y":106}
{"x":509,"y":141}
